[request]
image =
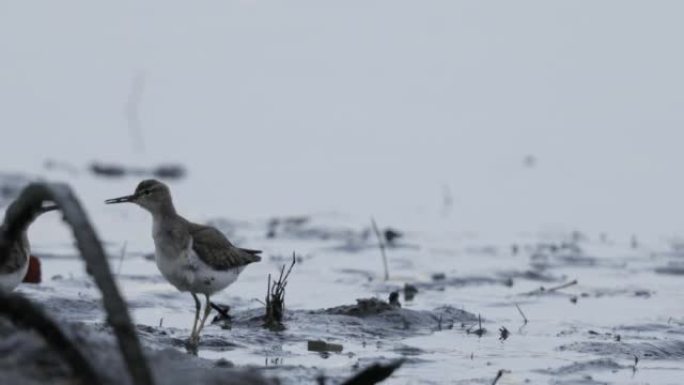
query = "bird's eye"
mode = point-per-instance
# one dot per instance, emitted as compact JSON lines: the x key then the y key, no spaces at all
{"x":146,"y":192}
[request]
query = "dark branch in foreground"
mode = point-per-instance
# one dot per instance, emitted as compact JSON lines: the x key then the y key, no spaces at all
{"x":374,"y":373}
{"x":24,"y":313}
{"x":30,"y":199}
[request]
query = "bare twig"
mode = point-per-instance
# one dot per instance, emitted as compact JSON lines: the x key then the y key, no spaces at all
{"x":23,"y":312}
{"x":499,"y":374}
{"x":480,"y":331}
{"x":542,"y":290}
{"x":91,"y":250}
{"x":522,"y":314}
{"x":381,"y":245}
{"x":563,"y":286}
{"x":275,"y":298}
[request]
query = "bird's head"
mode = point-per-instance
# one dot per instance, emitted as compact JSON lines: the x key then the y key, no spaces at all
{"x":151,"y":194}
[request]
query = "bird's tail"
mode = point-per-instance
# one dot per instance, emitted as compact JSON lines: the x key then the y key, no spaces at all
{"x":254,"y":253}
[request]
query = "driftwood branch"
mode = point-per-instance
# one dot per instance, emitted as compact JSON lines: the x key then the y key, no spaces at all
{"x":91,"y":250}
{"x":23,"y":312}
{"x":374,"y":373}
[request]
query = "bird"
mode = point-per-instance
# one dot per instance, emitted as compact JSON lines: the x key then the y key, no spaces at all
{"x":194,"y":258}
{"x":14,"y":260}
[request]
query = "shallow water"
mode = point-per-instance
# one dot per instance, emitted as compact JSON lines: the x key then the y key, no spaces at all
{"x":571,"y":336}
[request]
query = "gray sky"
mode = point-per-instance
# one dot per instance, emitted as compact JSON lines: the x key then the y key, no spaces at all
{"x":365,"y":106}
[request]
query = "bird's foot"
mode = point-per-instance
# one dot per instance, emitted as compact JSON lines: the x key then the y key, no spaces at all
{"x":192,"y":344}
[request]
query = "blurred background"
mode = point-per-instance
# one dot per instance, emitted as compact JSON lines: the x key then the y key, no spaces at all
{"x":491,"y":115}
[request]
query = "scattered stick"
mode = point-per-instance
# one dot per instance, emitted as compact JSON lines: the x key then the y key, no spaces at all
{"x":90,"y":248}
{"x":543,"y":290}
{"x":499,"y":374}
{"x":374,"y":373}
{"x":275,"y":298}
{"x":24,"y":313}
{"x":480,"y":331}
{"x":222,"y":310}
{"x":563,"y":286}
{"x":381,"y":245}
{"x":121,"y":258}
{"x":522,"y":314}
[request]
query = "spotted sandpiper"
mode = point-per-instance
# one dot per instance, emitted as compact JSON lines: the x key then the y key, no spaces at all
{"x":15,"y":262}
{"x":194,"y":258}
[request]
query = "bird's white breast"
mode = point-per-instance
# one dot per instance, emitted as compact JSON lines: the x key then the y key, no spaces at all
{"x":187,"y":272}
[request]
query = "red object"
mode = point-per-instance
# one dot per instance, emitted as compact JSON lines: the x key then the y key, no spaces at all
{"x":33,"y":274}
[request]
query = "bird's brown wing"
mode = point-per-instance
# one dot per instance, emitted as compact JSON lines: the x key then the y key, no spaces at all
{"x":214,"y":249}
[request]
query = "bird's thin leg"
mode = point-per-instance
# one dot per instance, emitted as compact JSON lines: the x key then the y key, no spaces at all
{"x":198,"y":306}
{"x":207,"y":311}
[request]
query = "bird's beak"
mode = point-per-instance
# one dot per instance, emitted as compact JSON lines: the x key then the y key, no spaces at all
{"x":127,"y":198}
{"x":48,"y":208}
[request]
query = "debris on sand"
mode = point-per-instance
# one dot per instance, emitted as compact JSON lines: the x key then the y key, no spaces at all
{"x":391,"y":235}
{"x":503,"y":333}
{"x":364,"y":307}
{"x":322,"y":346}
{"x":394,"y":299}
{"x":374,"y":373}
{"x":223,"y":317}
{"x":410,"y":292}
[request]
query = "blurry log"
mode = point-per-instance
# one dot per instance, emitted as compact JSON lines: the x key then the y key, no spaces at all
{"x":91,"y":250}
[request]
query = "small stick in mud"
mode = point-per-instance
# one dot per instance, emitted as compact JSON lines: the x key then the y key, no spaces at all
{"x":542,"y":290}
{"x":636,"y":362}
{"x":563,"y":286}
{"x":381,"y":245}
{"x":499,"y":374}
{"x":275,"y":298}
{"x":479,"y":331}
{"x":374,"y":373}
{"x":522,"y":314}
